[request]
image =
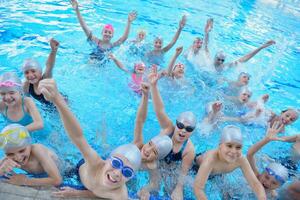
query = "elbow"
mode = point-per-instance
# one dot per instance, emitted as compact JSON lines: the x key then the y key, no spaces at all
{"x":57,"y":181}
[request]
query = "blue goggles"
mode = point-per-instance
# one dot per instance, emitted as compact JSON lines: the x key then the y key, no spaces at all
{"x":117,"y":163}
{"x":277,"y":177}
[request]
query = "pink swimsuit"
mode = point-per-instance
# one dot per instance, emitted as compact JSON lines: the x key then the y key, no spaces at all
{"x":135,"y":83}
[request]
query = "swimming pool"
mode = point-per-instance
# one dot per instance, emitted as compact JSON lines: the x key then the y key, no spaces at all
{"x":99,"y":96}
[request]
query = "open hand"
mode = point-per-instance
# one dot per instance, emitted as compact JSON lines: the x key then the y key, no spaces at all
{"x":132,"y":16}
{"x":273,"y":130}
{"x":49,"y":89}
{"x":153,"y":76}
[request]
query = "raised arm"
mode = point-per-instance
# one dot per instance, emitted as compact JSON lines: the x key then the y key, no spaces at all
{"x":270,"y":136}
{"x":118,"y":63}
{"x":141,"y":116}
{"x":131,"y":17}
{"x":71,"y":124}
{"x":251,"y":178}
{"x":37,"y":123}
{"x":176,"y":36}
{"x":163,"y":119}
{"x":292,"y":138}
{"x":208,"y":28}
{"x":83,"y":25}
{"x":173,"y":60}
{"x":51,"y":58}
{"x":248,"y":56}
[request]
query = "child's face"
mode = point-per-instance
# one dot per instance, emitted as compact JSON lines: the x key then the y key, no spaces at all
{"x":20,"y":155}
{"x":288,"y":117}
{"x":157,"y":43}
{"x":268,"y":181}
{"x":230,"y":151}
{"x":141,"y":35}
{"x":33,"y":76}
{"x":10,"y":98}
{"x":113,"y":178}
{"x":179,"y":70}
{"x":107,"y":34}
{"x":244,"y":79}
{"x":219,"y":60}
{"x":149,"y":152}
{"x":244,"y":97}
{"x":197,"y":44}
{"x":180,"y":133}
{"x":139,"y":68}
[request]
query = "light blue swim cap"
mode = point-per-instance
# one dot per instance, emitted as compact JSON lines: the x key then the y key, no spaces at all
{"x":9,"y":81}
{"x":131,"y":153}
{"x":277,"y":170}
{"x":188,"y":117}
{"x":231,"y":133}
{"x":163,"y":144}
{"x":14,"y":136}
{"x":31,"y":64}
{"x":245,"y":90}
{"x":220,"y":54}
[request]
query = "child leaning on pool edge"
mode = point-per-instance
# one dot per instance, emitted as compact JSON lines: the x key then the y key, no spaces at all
{"x":101,"y":178}
{"x":35,"y":159}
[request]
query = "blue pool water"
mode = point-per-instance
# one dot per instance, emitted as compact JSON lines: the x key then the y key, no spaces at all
{"x":99,"y":95}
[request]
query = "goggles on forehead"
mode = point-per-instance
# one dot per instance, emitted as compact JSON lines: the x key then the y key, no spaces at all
{"x":9,"y":84}
{"x":277,"y":177}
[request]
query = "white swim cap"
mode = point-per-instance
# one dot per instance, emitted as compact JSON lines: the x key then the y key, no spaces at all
{"x":245,"y":74}
{"x":231,"y":133}
{"x":31,"y":64}
{"x":245,"y":90}
{"x":163,"y":144}
{"x":14,"y":136}
{"x":188,"y":117}
{"x":9,"y":81}
{"x":277,"y":170}
{"x":220,"y":54}
{"x":131,"y":153}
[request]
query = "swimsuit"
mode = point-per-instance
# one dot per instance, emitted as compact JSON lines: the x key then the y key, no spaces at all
{"x":24,"y":121}
{"x":75,"y":172}
{"x":135,"y":83}
{"x":175,"y":157}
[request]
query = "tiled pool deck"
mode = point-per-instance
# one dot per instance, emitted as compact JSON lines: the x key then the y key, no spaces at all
{"x":12,"y":192}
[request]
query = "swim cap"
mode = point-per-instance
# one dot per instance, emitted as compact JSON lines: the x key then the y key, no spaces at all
{"x":245,"y":90}
{"x":158,"y":38}
{"x":277,"y":170}
{"x":31,"y":64}
{"x":188,"y":117}
{"x":131,"y":153}
{"x":220,"y":54}
{"x":14,"y":136}
{"x":231,"y":133}
{"x":108,"y":27}
{"x":244,"y":74}
{"x":9,"y":81}
{"x":163,"y":144}
{"x":138,"y":64}
{"x":141,"y":30}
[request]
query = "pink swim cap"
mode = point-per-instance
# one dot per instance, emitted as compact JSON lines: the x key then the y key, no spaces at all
{"x":140,"y":64}
{"x":108,"y":27}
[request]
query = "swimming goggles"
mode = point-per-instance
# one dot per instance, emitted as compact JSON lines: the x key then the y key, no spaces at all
{"x":277,"y":177}
{"x":182,"y":126}
{"x":117,"y":163}
{"x":9,"y":84}
{"x":9,"y":136}
{"x":221,"y":59}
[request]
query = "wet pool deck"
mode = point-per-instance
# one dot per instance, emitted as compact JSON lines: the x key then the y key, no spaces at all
{"x":12,"y":192}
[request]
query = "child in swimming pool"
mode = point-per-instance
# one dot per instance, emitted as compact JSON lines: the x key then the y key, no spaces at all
{"x":292,"y":192}
{"x":15,"y":107}
{"x":136,"y":75}
{"x":194,"y":50}
{"x":34,"y":74}
{"x":101,"y":178}
{"x":226,"y":158}
{"x":275,"y":174}
{"x":156,"y":56}
{"x":154,"y":150}
{"x":220,"y":57}
{"x":140,"y":36}
{"x":176,"y":71}
{"x":105,"y":43}
{"x":35,"y":159}
{"x":235,"y":86}
{"x":182,"y":154}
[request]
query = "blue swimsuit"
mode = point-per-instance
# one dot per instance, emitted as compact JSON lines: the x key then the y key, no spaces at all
{"x":39,"y":97}
{"x":175,"y":157}
{"x":24,"y":121}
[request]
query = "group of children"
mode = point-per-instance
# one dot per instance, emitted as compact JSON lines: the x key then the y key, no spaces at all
{"x":169,"y":156}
